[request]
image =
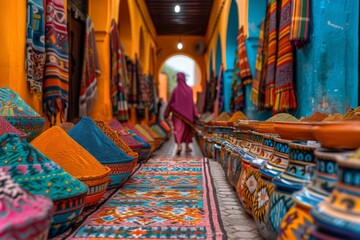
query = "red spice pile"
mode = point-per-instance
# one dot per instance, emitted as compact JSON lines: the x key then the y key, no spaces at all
{"x":316,"y":117}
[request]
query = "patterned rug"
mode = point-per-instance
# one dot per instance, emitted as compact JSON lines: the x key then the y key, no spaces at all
{"x":165,"y":199}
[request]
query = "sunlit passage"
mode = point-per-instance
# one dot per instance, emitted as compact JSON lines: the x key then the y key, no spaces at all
{"x":173,"y":65}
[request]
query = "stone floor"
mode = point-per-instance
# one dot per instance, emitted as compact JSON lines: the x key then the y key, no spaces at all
{"x":238,"y":224}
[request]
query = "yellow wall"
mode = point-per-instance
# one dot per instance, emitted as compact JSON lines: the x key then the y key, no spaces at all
{"x":12,"y":57}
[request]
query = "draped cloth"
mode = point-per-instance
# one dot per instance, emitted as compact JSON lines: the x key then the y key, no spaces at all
{"x":237,"y":96}
{"x":300,"y":22}
{"x":132,"y":90}
{"x":258,"y":68}
{"x":285,"y":99}
{"x":219,"y":95}
{"x":56,"y":74}
{"x":90,"y":71}
{"x":35,"y":45}
{"x":118,"y":75}
{"x":184,"y":111}
{"x":245,"y":72}
{"x":271,"y":52}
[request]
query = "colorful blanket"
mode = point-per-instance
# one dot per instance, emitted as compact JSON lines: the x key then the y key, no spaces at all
{"x":165,"y":199}
{"x":258,"y":68}
{"x":56,"y":75}
{"x":285,"y":99}
{"x":133,"y":87}
{"x":118,"y":75}
{"x":300,"y":22}
{"x":35,"y":45}
{"x":237,"y":96}
{"x":245,"y":72}
{"x":90,"y":71}
{"x":271,"y":52}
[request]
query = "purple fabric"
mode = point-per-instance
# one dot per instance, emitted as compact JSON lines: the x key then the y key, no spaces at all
{"x":182,"y":132}
{"x":181,"y":100}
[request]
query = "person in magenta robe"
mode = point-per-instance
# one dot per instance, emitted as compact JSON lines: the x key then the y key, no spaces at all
{"x":182,"y":106}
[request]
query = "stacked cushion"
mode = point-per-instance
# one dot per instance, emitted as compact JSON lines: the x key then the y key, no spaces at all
{"x":23,"y":215}
{"x":90,"y":137}
{"x":59,"y":147}
{"x":17,"y":112}
{"x":6,"y":127}
{"x":154,"y":135}
{"x":39,"y":175}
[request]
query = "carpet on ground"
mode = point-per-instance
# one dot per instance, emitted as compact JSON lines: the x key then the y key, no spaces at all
{"x":165,"y":199}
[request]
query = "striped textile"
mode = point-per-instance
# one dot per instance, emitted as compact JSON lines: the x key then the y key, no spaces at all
{"x":261,"y":105}
{"x":118,"y":76}
{"x":237,"y":97}
{"x":145,"y":90}
{"x":284,"y":88}
{"x":56,"y":74}
{"x":219,"y":97}
{"x":300,"y":22}
{"x":35,"y":45}
{"x":90,"y":71}
{"x":132,"y":90}
{"x":245,"y":72}
{"x":272,"y":49}
{"x":258,"y":68}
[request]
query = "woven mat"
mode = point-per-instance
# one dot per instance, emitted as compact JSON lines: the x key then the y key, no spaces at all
{"x":165,"y":199}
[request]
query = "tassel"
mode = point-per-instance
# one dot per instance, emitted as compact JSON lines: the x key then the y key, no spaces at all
{"x":285,"y":99}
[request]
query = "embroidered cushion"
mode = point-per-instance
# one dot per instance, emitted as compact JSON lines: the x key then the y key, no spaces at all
{"x":6,"y":127}
{"x":90,"y":137}
{"x":23,"y":215}
{"x":39,"y":175}
{"x":17,"y":112}
{"x":61,"y":148}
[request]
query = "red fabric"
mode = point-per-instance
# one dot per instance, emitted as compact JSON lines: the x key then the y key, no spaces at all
{"x":181,"y":100}
{"x":182,"y":131}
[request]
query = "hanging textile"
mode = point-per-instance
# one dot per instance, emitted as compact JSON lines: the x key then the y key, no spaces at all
{"x":221,"y":91}
{"x":35,"y":45}
{"x":245,"y":72}
{"x":90,"y":71}
{"x":258,"y":68}
{"x":118,"y":75}
{"x":219,"y":97}
{"x":213,"y":91}
{"x":237,"y":97}
{"x":132,"y":91}
{"x":272,"y":49}
{"x":56,"y":74}
{"x":207,"y":104}
{"x":144,"y":90}
{"x":300,"y":22}
{"x":285,"y":99}
{"x":265,"y":56}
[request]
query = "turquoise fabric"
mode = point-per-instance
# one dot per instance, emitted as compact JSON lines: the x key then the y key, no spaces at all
{"x":17,"y":112}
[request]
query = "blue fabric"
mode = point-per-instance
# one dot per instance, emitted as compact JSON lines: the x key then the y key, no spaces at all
{"x":144,"y":143}
{"x":90,"y":137}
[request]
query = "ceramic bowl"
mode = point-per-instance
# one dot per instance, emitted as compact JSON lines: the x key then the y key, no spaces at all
{"x":266,"y":127}
{"x":295,"y":130}
{"x":341,"y":134}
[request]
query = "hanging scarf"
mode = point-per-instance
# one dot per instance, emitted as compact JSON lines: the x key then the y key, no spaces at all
{"x":217,"y":107}
{"x":90,"y":71}
{"x":261,"y":105}
{"x":300,"y":22}
{"x":35,"y":45}
{"x":272,"y":48}
{"x":258,"y":68}
{"x":144,"y":90}
{"x":118,"y":75}
{"x":245,"y":72}
{"x":237,"y":96}
{"x":285,"y":99}
{"x":56,"y":76}
{"x":132,"y":91}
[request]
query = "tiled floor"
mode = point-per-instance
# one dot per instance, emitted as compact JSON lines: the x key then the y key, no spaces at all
{"x":238,"y":224}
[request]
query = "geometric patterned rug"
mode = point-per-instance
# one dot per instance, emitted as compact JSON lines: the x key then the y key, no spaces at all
{"x":166,"y":198}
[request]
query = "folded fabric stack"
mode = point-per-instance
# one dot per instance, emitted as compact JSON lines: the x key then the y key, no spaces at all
{"x":17,"y":112}
{"x":95,"y":141}
{"x":61,"y":148}
{"x":23,"y":215}
{"x":39,"y":175}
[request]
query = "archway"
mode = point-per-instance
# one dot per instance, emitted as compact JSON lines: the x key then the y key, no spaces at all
{"x":171,"y":66}
{"x":125,"y":26}
{"x":218,"y":55}
{"x":231,"y":34}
